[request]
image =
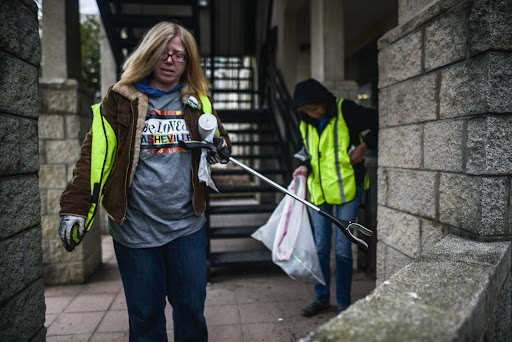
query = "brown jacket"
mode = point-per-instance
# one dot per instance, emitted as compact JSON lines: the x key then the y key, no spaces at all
{"x":125,"y":109}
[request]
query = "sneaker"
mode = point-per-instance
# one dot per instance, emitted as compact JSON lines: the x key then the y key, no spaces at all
{"x":314,"y":308}
{"x":342,"y":308}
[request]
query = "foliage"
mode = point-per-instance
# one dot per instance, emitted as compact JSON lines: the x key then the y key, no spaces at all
{"x":91,"y":56}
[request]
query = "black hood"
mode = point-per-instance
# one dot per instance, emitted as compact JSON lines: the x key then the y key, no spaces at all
{"x":311,"y":90}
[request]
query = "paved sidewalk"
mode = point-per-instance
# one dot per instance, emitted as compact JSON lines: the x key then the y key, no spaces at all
{"x":245,"y":306}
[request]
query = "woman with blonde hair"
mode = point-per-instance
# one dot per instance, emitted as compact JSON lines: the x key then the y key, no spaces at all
{"x":152,"y":196}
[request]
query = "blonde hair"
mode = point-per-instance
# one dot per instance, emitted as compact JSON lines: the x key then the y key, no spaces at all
{"x":143,"y":59}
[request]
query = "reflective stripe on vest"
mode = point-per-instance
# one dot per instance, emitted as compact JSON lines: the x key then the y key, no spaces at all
{"x":103,"y":151}
{"x":332,"y":178}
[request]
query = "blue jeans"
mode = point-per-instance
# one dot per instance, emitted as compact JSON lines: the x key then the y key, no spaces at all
{"x":343,"y":248}
{"x":178,"y":270}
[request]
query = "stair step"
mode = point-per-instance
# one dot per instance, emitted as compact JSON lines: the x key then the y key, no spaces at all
{"x":242,"y":209}
{"x":246,"y":189}
{"x":234,"y":258}
{"x":234,"y":90}
{"x":258,"y":132}
{"x":232,"y":232}
{"x":255,"y":143}
{"x":258,"y":156}
{"x":226,"y":172}
{"x":245,"y":116}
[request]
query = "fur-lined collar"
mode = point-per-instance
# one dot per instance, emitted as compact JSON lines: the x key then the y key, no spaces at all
{"x":129,"y":91}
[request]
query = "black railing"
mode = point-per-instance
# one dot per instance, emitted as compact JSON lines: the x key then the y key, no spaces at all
{"x":277,"y":98}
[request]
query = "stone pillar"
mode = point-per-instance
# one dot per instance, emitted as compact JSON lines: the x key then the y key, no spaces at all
{"x":64,"y":121}
{"x":22,"y":306}
{"x":328,"y":48}
{"x":108,"y":63}
{"x":285,"y":16}
{"x":445,"y":148}
{"x":61,"y":39}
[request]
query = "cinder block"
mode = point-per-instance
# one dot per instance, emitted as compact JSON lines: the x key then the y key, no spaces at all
{"x":479,"y":86}
{"x":382,"y":183}
{"x":510,"y":207}
{"x":381,"y":263}
{"x":384,"y":116}
{"x":445,"y":38}
{"x":400,"y":60}
{"x":499,"y":323}
{"x":443,"y":145}
{"x":413,"y":191}
{"x":401,"y":146}
{"x":399,"y":231}
{"x":22,"y":317}
{"x":29,"y":146}
{"x":54,"y":201}
{"x":58,"y":254}
{"x":489,"y":146}
{"x":33,"y":255}
{"x":20,"y":207}
{"x":52,"y":177}
{"x":19,"y":28}
{"x":62,"y":151}
{"x":51,"y":126}
{"x":60,"y":97}
{"x":43,"y":194}
{"x":72,"y":126}
{"x":431,"y":233}
{"x":490,"y":26}
{"x":18,"y":80}
{"x":9,"y":146}
{"x":12,"y":272}
{"x":412,"y":101}
{"x":408,"y":9}
{"x":50,"y":226}
{"x":473,"y":204}
{"x":395,"y":261}
{"x":67,"y":273}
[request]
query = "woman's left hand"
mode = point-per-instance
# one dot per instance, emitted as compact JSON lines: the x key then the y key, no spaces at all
{"x":356,"y":156}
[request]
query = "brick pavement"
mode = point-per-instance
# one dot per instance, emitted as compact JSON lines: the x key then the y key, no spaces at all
{"x":256,"y":305}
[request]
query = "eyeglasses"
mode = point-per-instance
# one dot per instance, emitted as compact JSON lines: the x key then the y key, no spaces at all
{"x":177,"y":57}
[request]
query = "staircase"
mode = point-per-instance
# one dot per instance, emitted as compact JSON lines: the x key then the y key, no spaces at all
{"x":245,"y":202}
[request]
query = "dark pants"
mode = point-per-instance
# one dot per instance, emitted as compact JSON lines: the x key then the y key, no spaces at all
{"x":178,"y":270}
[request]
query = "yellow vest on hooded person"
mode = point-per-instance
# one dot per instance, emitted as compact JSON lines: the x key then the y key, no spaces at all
{"x":332,"y":179}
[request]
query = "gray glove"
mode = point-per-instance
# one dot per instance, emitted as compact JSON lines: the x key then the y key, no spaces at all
{"x":67,"y":224}
{"x":221,"y":154}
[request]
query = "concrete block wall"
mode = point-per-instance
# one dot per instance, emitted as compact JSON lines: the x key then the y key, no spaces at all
{"x":22,"y":306}
{"x":460,"y":290}
{"x":64,"y":121}
{"x":445,"y":148}
{"x":444,"y":260}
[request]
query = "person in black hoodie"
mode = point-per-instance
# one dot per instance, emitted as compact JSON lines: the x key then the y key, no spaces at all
{"x":335,"y":135}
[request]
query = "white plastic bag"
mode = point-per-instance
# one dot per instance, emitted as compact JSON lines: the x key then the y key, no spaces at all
{"x":207,"y":126}
{"x":289,"y":236}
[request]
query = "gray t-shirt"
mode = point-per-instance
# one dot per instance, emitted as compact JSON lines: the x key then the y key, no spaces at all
{"x":160,"y":198}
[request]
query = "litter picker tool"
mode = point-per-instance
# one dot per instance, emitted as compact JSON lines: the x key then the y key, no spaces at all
{"x":341,"y":224}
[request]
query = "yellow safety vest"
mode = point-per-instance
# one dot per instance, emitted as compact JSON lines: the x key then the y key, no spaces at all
{"x":332,"y":179}
{"x":103,"y":152}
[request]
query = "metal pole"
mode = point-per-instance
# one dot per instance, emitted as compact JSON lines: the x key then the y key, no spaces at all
{"x":274,"y":184}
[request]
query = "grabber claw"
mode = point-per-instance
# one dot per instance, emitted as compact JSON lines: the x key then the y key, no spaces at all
{"x":345,"y":225}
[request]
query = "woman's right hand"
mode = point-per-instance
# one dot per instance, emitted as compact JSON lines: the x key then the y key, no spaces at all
{"x":301,"y":171}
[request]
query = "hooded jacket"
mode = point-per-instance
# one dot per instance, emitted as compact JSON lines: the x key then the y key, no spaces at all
{"x":125,"y":109}
{"x":358,"y":119}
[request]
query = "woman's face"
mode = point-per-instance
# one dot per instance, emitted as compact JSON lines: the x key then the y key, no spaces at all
{"x":167,"y":73}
